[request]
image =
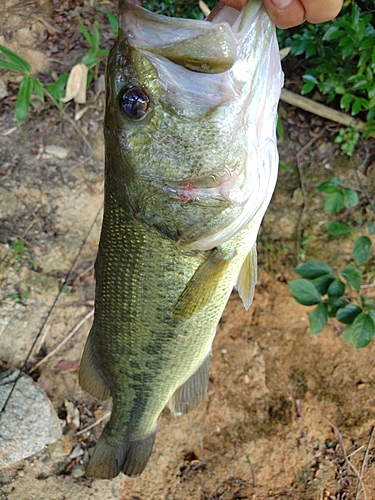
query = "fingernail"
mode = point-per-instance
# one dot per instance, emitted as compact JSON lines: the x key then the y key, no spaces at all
{"x":281,"y":4}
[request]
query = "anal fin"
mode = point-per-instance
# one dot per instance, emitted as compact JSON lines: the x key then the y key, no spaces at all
{"x":192,"y":392}
{"x":90,"y":377}
{"x":247,"y":278}
{"x":200,"y":289}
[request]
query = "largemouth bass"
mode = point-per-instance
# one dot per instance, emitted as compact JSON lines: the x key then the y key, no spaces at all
{"x":191,"y":165}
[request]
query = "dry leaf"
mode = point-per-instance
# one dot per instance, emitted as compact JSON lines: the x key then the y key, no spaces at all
{"x":204,"y":8}
{"x":76,"y":85}
{"x":284,"y":52}
{"x":68,"y":366}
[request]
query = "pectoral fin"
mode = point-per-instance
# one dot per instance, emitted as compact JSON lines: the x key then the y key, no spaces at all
{"x":202,"y":286}
{"x":247,"y":278}
{"x":192,"y":392}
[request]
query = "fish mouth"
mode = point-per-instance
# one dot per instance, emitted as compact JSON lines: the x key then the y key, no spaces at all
{"x":216,"y":185}
{"x":206,"y":46}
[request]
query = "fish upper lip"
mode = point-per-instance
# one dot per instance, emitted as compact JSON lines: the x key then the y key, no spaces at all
{"x":213,"y":179}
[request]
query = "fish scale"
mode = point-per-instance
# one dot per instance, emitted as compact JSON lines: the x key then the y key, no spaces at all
{"x":185,"y":193}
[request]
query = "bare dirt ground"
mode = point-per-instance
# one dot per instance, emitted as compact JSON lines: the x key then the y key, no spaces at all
{"x":287,"y":415}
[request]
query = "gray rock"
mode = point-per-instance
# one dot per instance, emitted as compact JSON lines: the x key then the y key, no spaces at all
{"x":29,"y":421}
{"x":57,"y":151}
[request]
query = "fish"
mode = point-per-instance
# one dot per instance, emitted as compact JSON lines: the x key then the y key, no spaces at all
{"x":190,"y":167}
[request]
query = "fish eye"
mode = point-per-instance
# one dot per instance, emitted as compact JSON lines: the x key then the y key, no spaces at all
{"x":134,"y":102}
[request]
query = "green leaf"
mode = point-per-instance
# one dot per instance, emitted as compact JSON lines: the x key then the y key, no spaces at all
{"x":96,"y":35}
{"x":23,"y":99}
{"x":335,"y":202}
{"x":351,"y":197}
{"x":38,"y":89}
{"x":90,"y":59}
{"x":103,"y":53}
{"x":322,"y":283}
{"x":367,"y":303}
{"x":337,"y":228}
{"x":19,"y":63}
{"x":57,"y":89}
{"x":113,"y":21}
{"x":348,"y":313}
{"x":309,"y":78}
{"x":304,"y":292}
{"x":280,"y":131}
{"x":9,"y":65}
{"x":353,"y":276}
{"x":346,"y":101}
{"x":347,"y":334}
{"x":334,"y":304}
{"x":86,"y":34}
{"x":336,"y":288}
{"x":312,"y":269}
{"x":318,"y":319}
{"x":307,"y":87}
{"x":363,"y":330}
{"x":371,"y":228}
{"x":361,"y":250}
{"x":329,"y":186}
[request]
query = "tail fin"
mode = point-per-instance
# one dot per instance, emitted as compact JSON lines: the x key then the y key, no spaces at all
{"x":111,"y":458}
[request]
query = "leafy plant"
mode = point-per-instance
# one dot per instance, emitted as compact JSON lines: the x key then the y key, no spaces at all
{"x":339,"y":57}
{"x":95,"y":55}
{"x":348,"y":138}
{"x":338,"y":196}
{"x":18,"y":247}
{"x":54,"y":91}
{"x":334,"y":298}
{"x":178,"y":8}
{"x":18,"y":297}
{"x":28,"y":85}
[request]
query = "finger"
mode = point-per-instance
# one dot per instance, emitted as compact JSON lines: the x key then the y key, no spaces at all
{"x":320,"y":11}
{"x":285,"y":13}
{"x":236,"y":4}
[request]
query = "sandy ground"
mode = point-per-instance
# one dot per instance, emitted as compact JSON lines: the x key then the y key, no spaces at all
{"x":287,"y":415}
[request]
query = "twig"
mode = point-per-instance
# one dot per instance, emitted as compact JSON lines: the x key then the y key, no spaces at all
{"x":361,"y":165}
{"x":304,"y":191}
{"x":360,"y":482}
{"x":320,"y":110}
{"x":252,"y":471}
{"x":42,"y":338}
{"x":364,"y":462}
{"x":63,"y":342}
{"x":97,"y":422}
{"x":50,"y":28}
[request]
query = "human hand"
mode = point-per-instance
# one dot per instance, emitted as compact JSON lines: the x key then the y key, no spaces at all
{"x":288,"y":13}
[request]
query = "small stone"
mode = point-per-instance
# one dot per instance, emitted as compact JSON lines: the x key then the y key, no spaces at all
{"x":67,"y":444}
{"x":297,"y":197}
{"x":57,"y":151}
{"x":29,"y":421}
{"x":246,"y":379}
{"x":3,"y":89}
{"x":78,"y":471}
